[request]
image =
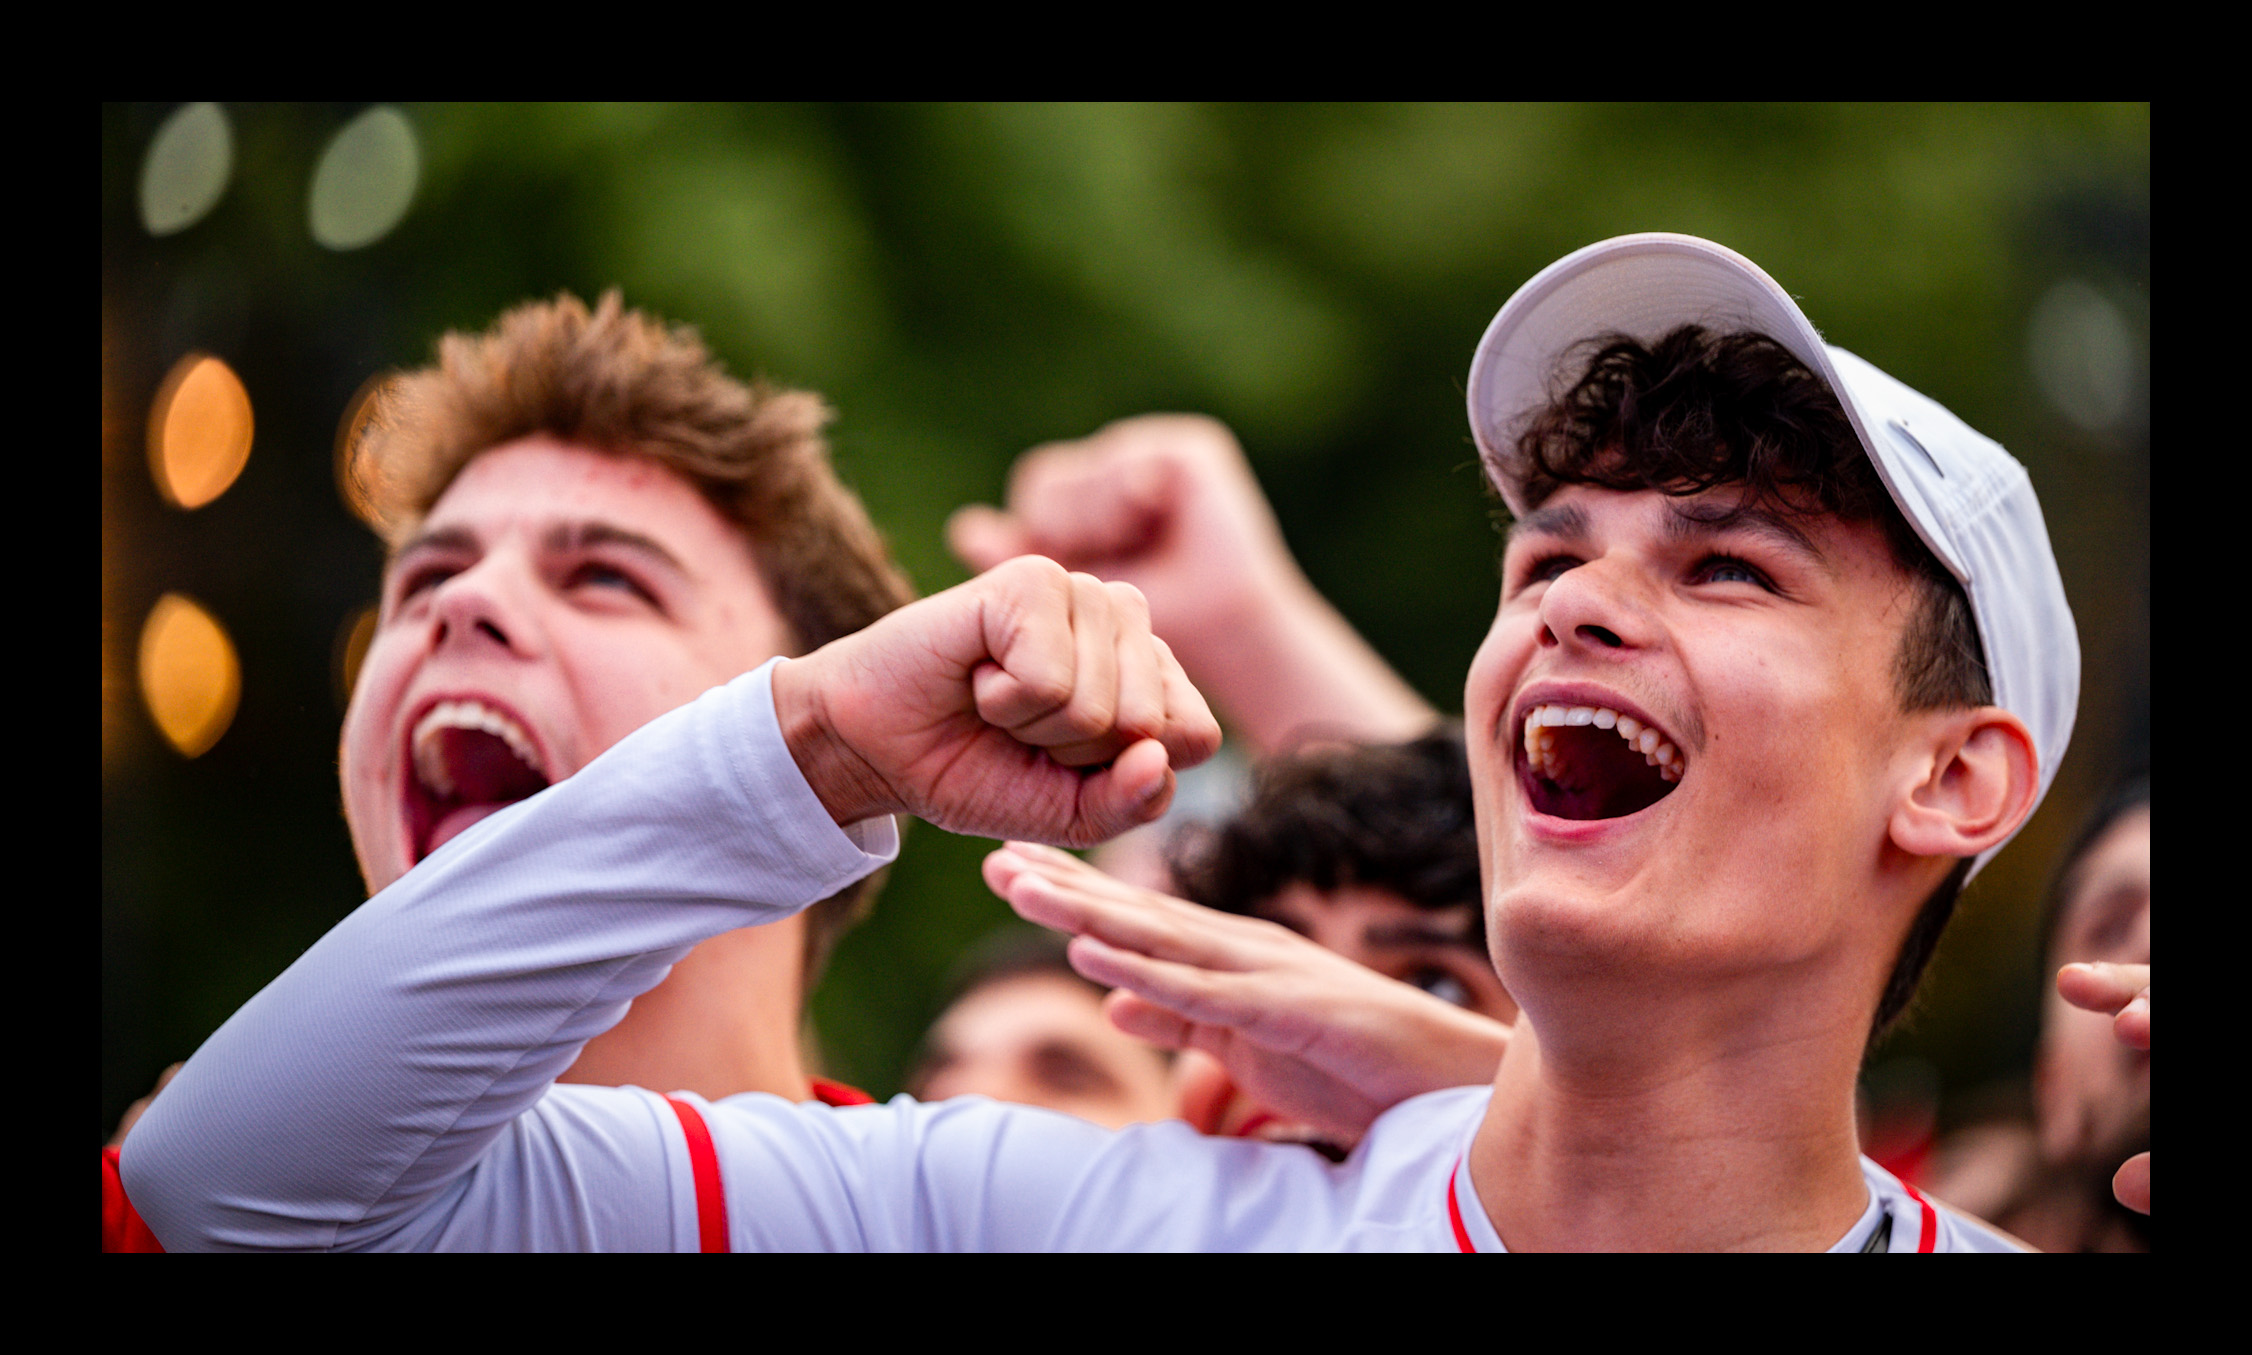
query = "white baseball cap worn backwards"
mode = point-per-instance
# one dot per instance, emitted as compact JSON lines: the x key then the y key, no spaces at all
{"x":1969,"y":500}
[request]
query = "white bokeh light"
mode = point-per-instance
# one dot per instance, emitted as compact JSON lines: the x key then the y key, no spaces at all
{"x":365,"y":180}
{"x":186,"y":169}
{"x":2082,"y":350}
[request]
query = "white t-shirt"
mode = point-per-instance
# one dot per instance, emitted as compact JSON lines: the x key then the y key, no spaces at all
{"x":395,"y":1089}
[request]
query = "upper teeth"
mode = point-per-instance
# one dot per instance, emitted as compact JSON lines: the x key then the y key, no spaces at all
{"x":1540,"y":744}
{"x":429,"y":752}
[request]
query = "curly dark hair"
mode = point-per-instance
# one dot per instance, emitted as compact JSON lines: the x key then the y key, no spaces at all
{"x":1699,"y":410}
{"x":1395,"y":817}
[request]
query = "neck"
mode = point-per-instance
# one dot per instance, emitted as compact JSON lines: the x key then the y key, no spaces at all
{"x":1682,"y":1144}
{"x":724,"y":1021}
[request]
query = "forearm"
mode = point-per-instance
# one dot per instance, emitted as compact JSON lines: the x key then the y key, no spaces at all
{"x":361,"y":1083}
{"x":1287,"y":664}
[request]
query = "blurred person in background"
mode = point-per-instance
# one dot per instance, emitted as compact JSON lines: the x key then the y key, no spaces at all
{"x":1370,"y":851}
{"x":1021,"y":1025}
{"x":589,"y":524}
{"x":2059,"y":1181}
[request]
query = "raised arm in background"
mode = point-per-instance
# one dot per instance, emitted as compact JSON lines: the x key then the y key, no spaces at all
{"x":1168,"y":503}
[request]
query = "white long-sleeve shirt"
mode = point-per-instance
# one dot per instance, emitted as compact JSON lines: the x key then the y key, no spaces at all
{"x":395,"y":1089}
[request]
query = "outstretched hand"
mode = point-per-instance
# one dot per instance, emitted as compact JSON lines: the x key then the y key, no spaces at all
{"x":1303,"y":1031}
{"x":2123,"y":992}
{"x":1029,"y":702}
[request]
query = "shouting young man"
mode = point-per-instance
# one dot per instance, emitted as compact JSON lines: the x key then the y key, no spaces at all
{"x":1782,"y":655}
{"x":590,"y":523}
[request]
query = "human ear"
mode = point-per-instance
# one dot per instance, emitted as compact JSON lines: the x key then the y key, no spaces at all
{"x":1973,"y":789}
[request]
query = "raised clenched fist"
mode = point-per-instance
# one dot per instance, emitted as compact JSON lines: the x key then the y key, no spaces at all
{"x":1030,"y":702}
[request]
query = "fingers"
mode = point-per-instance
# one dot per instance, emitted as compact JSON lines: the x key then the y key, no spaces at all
{"x":2133,"y":1023}
{"x":1191,"y":733}
{"x":1092,"y":501}
{"x":1145,"y":1020}
{"x":1077,"y":672}
{"x":1196,"y":996}
{"x":1056,"y":891}
{"x":134,"y":1112}
{"x":982,"y":537}
{"x":1133,"y":790}
{"x":2107,"y":988}
{"x":2132,"y":1183}
{"x":1143,"y":692}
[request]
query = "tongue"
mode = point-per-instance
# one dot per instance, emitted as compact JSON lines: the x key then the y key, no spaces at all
{"x":455,"y":822}
{"x":1602,"y":778}
{"x":487,"y":778}
{"x":485,"y":768}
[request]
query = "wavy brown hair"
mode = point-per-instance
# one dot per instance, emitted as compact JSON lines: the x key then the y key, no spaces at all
{"x":622,"y":382}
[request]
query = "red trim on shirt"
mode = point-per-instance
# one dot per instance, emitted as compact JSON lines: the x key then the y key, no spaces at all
{"x":1927,"y":1242}
{"x":122,"y":1229}
{"x":838,"y":1094}
{"x":1454,"y":1212}
{"x":1930,"y":1239}
{"x":703,"y":1163}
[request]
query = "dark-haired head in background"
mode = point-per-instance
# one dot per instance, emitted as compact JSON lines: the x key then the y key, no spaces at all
{"x":1368,"y":850}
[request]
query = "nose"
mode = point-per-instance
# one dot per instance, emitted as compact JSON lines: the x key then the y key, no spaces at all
{"x":482,"y":605}
{"x":1601,"y":606}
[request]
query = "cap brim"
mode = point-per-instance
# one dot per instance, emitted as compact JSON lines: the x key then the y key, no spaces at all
{"x":1644,"y":287}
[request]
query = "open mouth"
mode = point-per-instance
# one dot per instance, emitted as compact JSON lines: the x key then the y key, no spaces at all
{"x":470,"y":761}
{"x":1591,"y":762}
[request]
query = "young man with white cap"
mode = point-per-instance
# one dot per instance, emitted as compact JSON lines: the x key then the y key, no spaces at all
{"x":1716,"y":553}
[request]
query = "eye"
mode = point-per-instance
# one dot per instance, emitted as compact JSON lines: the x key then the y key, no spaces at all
{"x":1546,"y":569}
{"x":607,"y":577}
{"x":424,"y":577}
{"x":1729,"y":569}
{"x":1441,"y":985}
{"x":1065,"y":1069}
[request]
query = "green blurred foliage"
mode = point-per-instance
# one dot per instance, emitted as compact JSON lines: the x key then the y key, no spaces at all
{"x":964,"y":282}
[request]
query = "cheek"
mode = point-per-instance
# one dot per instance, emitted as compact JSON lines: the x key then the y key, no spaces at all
{"x":1493,"y":674}
{"x":383,"y":676}
{"x":1485,"y":712}
{"x":619,"y":686}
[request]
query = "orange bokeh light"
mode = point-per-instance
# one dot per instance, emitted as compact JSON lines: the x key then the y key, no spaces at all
{"x":190,"y":678}
{"x":199,"y":431}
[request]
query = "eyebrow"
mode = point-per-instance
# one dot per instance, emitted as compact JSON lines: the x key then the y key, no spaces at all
{"x":439,"y":538}
{"x":1692,"y":520}
{"x":563,"y":537}
{"x":1566,"y":520}
{"x":1687,"y":520}
{"x":571,"y":536}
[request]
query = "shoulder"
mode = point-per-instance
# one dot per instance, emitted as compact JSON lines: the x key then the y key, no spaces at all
{"x":1934,"y":1226}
